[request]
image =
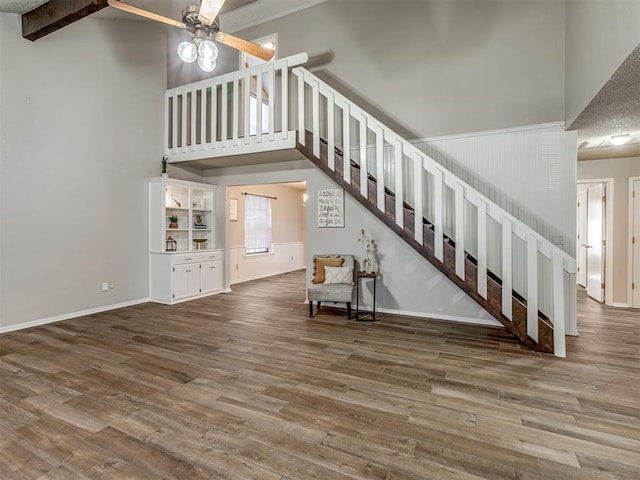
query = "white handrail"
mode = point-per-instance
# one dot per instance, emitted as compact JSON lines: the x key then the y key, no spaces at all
{"x":535,"y":243}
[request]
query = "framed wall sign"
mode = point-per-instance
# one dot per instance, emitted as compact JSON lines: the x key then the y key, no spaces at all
{"x":233,"y":209}
{"x":331,"y":208}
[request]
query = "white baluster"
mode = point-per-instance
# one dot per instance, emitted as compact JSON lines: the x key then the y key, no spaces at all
{"x":331,"y":139}
{"x":346,"y":143}
{"x":380,"y":168}
{"x":192,"y":119}
{"x":507,"y":266}
{"x":247,"y":107}
{"x":364,"y":182}
{"x":259,"y":107}
{"x":418,"y":171}
{"x":301,"y":101}
{"x":203,"y":117}
{"x":271,"y":98}
{"x":183,"y":135}
{"x":438,"y":236}
{"x":224,"y":107}
{"x":315,"y":122}
{"x":284,"y":102}
{"x":235,"y":113}
{"x":459,"y":226}
{"x":559,"y":346}
{"x":214,"y":115}
{"x":397,"y":153}
{"x":166,"y":123}
{"x":532,"y":287}
{"x":482,"y":248}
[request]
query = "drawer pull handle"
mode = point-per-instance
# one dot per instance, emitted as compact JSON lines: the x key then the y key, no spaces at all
{"x":187,"y":259}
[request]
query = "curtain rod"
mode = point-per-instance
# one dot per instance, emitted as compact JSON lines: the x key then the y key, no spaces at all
{"x":263,"y":196}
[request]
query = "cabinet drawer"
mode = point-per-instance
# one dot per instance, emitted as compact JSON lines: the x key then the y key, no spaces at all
{"x":197,"y":257}
{"x":183,"y":258}
{"x":211,"y":256}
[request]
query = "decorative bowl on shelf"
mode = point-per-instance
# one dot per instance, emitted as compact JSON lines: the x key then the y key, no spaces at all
{"x":199,"y":242}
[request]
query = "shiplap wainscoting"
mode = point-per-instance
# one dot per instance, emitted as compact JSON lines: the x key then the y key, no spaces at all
{"x":286,"y":257}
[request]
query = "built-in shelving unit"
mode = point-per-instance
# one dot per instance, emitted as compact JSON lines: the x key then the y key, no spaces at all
{"x":184,"y":262}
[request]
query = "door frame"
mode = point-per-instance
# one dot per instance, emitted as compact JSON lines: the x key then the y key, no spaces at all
{"x":630,"y":247}
{"x":608,"y":251}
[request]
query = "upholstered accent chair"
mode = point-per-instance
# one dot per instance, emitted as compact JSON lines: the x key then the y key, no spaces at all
{"x":332,"y":281}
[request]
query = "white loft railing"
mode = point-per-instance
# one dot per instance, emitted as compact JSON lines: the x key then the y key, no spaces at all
{"x":329,"y":115}
{"x":216,"y":113}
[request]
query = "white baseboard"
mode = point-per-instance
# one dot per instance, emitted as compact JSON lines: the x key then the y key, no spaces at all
{"x":67,"y":316}
{"x":266,"y":275}
{"x":622,"y":305}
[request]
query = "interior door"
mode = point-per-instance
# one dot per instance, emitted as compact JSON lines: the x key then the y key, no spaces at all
{"x":635,"y":250}
{"x":582,"y":238}
{"x":595,"y":238}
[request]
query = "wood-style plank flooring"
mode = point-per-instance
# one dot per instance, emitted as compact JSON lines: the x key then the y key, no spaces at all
{"x":246,"y":386}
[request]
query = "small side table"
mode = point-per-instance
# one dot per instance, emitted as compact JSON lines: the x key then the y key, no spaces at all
{"x":360,"y":276}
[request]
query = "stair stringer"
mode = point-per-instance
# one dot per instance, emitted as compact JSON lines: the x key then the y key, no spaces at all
{"x":492,"y":304}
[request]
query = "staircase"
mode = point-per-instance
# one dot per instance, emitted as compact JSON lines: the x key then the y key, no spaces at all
{"x":396,"y":182}
{"x":517,"y":326}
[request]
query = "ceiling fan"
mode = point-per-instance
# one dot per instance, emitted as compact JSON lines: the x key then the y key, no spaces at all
{"x":202,"y":22}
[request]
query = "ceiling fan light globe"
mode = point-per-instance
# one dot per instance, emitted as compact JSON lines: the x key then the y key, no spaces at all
{"x":208,"y":50}
{"x":187,"y":52}
{"x":206,"y":65}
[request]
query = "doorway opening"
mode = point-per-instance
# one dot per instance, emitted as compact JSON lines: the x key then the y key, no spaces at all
{"x":595,"y":238}
{"x":266,"y":229}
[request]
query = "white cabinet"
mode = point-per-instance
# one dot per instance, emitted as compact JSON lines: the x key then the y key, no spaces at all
{"x":186,"y":281}
{"x":196,"y":267}
{"x":184,"y":276}
{"x":210,"y":276}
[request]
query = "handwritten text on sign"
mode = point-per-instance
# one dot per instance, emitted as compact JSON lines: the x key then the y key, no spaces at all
{"x":331,"y":208}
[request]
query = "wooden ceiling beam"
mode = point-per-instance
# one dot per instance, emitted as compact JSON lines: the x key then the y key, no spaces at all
{"x":55,"y":14}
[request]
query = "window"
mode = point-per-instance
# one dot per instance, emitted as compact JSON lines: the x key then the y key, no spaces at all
{"x":257,"y":224}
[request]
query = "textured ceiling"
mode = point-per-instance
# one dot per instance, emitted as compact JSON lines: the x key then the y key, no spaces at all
{"x":615,"y":109}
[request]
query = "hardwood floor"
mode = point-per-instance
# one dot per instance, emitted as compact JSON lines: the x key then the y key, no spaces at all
{"x":246,"y":386}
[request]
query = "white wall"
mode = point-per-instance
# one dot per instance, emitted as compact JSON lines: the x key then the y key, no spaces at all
{"x":600,"y":35}
{"x":407,"y":284}
{"x":432,"y":67}
{"x":287,"y":228}
{"x":81,"y":130}
{"x":620,"y":169}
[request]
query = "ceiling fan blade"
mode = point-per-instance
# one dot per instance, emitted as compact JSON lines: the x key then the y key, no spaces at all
{"x":209,"y":10}
{"x":143,"y":13}
{"x":251,"y":48}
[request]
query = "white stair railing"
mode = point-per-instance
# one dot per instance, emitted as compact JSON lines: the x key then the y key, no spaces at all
{"x":216,"y":113}
{"x":354,"y":129}
{"x":214,"y":116}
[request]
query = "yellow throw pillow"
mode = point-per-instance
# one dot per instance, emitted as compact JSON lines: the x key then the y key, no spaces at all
{"x":318,"y":267}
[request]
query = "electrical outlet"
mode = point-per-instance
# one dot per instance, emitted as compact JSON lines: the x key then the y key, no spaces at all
{"x":236,"y":266}
{"x":112,"y":285}
{"x":105,"y":286}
